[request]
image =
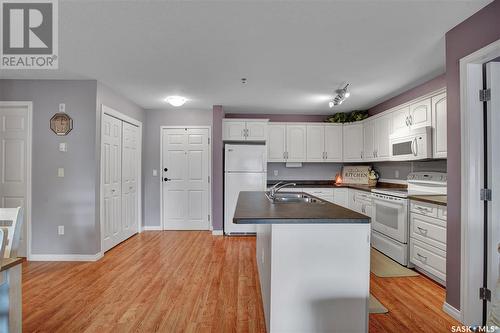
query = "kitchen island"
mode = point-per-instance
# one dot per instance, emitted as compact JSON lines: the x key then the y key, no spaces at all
{"x":313,"y":259}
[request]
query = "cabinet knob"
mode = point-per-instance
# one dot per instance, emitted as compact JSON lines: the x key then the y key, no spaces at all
{"x":167,"y":179}
{"x":166,"y":169}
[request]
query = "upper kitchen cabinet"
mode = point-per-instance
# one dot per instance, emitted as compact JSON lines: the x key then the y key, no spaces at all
{"x":382,"y":131}
{"x":276,"y":142}
{"x":353,"y":142}
{"x":369,"y":140}
{"x":400,"y":119}
{"x":439,"y":141}
{"x":244,"y":129}
{"x":420,"y":114}
{"x":296,"y":138}
{"x":324,"y":143}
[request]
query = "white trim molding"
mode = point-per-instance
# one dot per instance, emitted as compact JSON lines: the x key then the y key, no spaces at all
{"x":66,"y":257}
{"x":472,"y":166}
{"x":217,"y":233}
{"x":152,"y":228}
{"x":452,"y":312}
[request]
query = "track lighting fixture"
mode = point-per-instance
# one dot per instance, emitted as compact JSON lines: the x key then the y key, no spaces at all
{"x":342,"y":95}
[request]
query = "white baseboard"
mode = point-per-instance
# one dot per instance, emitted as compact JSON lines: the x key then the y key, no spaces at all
{"x":152,"y":228}
{"x":454,"y":313}
{"x":217,"y":232}
{"x":65,"y":257}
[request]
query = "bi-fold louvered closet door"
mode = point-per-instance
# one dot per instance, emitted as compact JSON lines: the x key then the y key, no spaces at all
{"x":120,"y":165}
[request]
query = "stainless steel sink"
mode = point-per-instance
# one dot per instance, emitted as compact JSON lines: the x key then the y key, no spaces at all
{"x":284,"y":197}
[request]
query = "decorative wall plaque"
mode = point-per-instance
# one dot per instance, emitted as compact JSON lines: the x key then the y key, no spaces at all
{"x":61,"y":123}
{"x":355,"y":174}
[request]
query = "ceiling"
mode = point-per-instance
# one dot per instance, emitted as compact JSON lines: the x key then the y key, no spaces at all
{"x":293,"y":54}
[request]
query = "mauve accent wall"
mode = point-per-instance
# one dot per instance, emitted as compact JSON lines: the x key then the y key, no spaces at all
{"x":280,"y":117}
{"x":469,"y":36}
{"x":217,"y":168}
{"x":425,"y":88}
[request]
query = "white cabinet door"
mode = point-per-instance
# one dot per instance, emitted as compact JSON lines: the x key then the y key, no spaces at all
{"x":420,"y":114}
{"x":382,"y":128}
{"x":333,"y":143}
{"x":400,"y":119}
{"x":315,"y":143}
{"x":276,"y":143}
{"x":296,"y":143}
{"x":341,"y":197}
{"x":233,"y":130}
{"x":256,"y":130}
{"x":439,"y":127}
{"x":353,"y":142}
{"x":368,"y":140}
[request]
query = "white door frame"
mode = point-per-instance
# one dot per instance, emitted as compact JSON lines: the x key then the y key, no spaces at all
{"x":472,"y":166}
{"x":116,"y":114}
{"x":29,"y":143}
{"x":209,"y":128}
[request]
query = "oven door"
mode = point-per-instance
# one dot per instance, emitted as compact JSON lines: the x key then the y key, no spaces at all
{"x":390,"y":216}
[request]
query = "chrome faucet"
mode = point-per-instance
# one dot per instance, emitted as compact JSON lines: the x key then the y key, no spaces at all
{"x":278,"y":186}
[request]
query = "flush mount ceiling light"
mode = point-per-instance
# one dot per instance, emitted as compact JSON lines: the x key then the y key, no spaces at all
{"x":176,"y":100}
{"x":342,"y":95}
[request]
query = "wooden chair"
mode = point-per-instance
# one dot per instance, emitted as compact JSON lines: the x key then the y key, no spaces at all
{"x":11,"y":220}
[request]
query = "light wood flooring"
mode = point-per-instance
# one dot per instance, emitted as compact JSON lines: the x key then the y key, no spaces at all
{"x":190,"y":282}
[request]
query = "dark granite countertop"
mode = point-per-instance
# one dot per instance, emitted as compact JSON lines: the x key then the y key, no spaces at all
{"x":255,"y":208}
{"x":331,"y":184}
{"x":434,"y":199}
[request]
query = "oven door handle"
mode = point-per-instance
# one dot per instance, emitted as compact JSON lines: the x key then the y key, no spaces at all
{"x":377,"y":197}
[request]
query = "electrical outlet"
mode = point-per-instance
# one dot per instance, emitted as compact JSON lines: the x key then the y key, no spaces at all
{"x":60,"y":172}
{"x":396,"y":174}
{"x":63,"y":147}
{"x":155,"y":172}
{"x":62,"y":107}
{"x":60,"y":230}
{"x":276,"y":173}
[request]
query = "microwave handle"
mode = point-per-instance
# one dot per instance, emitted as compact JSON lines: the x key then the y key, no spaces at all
{"x":413,"y":150}
{"x":416,"y":146}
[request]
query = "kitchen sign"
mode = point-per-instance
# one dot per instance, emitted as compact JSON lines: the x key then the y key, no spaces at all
{"x":355,"y":174}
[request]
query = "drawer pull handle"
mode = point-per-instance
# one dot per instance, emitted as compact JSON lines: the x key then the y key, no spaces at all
{"x":422,"y":230}
{"x":422,"y":209}
{"x":422,"y":257}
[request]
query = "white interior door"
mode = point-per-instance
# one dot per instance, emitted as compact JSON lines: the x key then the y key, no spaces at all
{"x":111,"y":152}
{"x":130,"y":167}
{"x":185,"y":186}
{"x":493,"y":83}
{"x":14,"y":150}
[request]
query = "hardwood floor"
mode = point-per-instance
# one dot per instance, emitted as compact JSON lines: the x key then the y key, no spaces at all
{"x":189,"y":282}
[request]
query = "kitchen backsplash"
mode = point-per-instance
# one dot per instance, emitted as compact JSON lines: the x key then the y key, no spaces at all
{"x":324,"y":171}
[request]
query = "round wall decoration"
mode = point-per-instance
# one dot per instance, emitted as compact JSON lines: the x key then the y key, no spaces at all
{"x":61,"y":123}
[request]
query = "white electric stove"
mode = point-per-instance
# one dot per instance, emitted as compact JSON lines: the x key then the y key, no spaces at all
{"x":390,"y":220}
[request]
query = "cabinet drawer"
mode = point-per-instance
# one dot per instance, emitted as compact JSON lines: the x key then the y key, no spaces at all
{"x":424,"y":208}
{"x":428,"y":258}
{"x":319,"y":191}
{"x":428,"y":230}
{"x":442,"y":212}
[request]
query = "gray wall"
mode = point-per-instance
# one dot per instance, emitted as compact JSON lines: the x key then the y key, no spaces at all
{"x":151,"y":154}
{"x":68,"y":201}
{"x":72,"y":201}
{"x":110,"y":98}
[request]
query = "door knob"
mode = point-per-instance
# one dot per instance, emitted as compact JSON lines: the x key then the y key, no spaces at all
{"x":167,"y":179}
{"x":166,"y":169}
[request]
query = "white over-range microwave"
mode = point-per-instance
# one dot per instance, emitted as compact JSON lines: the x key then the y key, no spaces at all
{"x":413,"y":145}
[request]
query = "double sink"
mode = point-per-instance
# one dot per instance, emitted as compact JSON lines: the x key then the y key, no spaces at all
{"x":289,"y":197}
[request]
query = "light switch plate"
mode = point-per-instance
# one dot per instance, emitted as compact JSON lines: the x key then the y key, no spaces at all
{"x":396,"y":174}
{"x":60,"y":172}
{"x":155,"y":172}
{"x":60,"y":230}
{"x":62,"y":107}
{"x":63,"y":147}
{"x":276,"y":173}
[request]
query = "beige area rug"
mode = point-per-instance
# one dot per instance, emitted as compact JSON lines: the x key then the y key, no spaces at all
{"x":383,"y":266}
{"x":375,"y":306}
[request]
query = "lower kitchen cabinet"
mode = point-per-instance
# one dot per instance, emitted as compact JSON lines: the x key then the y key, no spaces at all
{"x":428,"y":239}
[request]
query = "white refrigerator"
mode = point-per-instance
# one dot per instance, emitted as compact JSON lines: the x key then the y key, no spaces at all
{"x":245,"y":169}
